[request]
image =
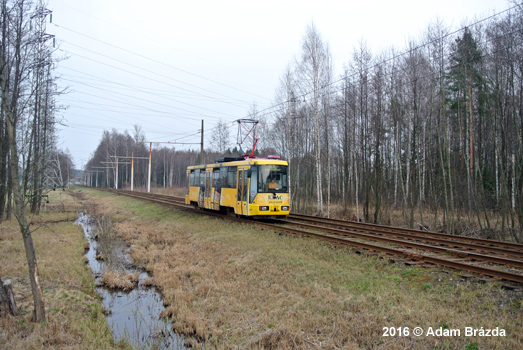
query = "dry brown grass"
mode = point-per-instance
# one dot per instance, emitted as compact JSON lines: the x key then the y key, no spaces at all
{"x":120,"y":280}
{"x":464,"y":224}
{"x":75,"y":318}
{"x":147,"y":282}
{"x":237,"y":286}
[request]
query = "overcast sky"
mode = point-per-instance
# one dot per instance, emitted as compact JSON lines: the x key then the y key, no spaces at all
{"x":167,"y":64}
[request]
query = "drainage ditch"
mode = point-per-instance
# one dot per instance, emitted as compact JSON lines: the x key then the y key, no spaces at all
{"x":133,"y":306}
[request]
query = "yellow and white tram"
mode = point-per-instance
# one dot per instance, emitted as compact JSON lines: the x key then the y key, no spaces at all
{"x":251,"y":187}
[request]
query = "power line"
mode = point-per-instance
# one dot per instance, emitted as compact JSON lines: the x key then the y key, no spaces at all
{"x":139,"y":34}
{"x":304,"y":95}
{"x":159,"y":62}
{"x":146,"y":77}
{"x":152,"y":72}
{"x":149,"y":101}
{"x":267,"y":110}
{"x":149,"y":90}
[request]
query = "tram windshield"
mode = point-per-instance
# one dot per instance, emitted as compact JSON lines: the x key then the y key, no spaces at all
{"x":272,"y":178}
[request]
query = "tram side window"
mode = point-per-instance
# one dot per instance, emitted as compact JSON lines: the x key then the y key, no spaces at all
{"x":195,"y":177}
{"x":187,"y":181}
{"x":199,"y":177}
{"x":223,"y":176}
{"x":216,"y":178}
{"x":202,"y":178}
{"x":254,"y":182}
{"x":231,"y":177}
{"x":191,"y":178}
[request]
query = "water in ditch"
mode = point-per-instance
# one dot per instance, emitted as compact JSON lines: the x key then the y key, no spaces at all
{"x":133,"y":315}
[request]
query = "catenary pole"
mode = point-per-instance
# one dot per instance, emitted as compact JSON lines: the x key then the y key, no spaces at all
{"x":201,"y":147}
{"x":169,"y":142}
{"x":116,"y":172}
{"x":149,"y":176}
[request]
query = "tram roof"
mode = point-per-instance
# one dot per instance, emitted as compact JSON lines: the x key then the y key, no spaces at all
{"x":249,"y":161}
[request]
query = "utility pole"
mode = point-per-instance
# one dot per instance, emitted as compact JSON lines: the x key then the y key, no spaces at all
{"x":172,"y":143}
{"x":115,"y":171}
{"x":89,"y":177}
{"x":106,"y":168}
{"x":201,"y":147}
{"x":116,"y":175}
{"x":132,"y":166}
{"x":149,"y":177}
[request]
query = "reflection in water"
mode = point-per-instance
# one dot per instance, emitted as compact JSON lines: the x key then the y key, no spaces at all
{"x":134,"y":315}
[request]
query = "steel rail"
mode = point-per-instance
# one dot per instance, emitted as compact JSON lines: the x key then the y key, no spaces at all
{"x":446,"y":241}
{"x":443,"y":240}
{"x":509,"y":276}
{"x":414,"y":245}
{"x":482,"y":241}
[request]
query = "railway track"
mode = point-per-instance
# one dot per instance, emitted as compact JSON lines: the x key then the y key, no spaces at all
{"x":424,"y":240}
{"x":415,"y":233}
{"x":498,"y":260}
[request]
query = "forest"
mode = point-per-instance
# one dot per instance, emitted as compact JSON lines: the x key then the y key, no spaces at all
{"x":431,"y":133}
{"x":29,"y":149}
{"x":30,"y":162}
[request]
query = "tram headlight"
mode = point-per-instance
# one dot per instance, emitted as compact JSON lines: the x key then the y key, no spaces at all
{"x":264,"y":208}
{"x":286,"y":208}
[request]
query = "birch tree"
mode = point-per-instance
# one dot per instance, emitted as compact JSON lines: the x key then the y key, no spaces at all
{"x":220,"y":137}
{"x":15,"y":51}
{"x":314,"y":58}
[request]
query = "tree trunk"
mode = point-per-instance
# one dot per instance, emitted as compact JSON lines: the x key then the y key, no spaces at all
{"x":38,"y":296}
{"x":7,"y":300}
{"x":3,"y":166}
{"x":20,"y":214}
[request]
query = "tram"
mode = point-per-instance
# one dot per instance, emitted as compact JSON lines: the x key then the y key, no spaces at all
{"x":251,"y":187}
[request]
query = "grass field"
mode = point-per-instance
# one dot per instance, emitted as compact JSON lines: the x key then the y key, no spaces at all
{"x":235,"y":286}
{"x":75,"y":318}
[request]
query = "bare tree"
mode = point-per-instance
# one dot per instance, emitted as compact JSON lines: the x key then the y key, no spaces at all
{"x":438,"y":125}
{"x":220,"y":137}
{"x":4,"y":153}
{"x":311,"y":70}
{"x":14,"y":54}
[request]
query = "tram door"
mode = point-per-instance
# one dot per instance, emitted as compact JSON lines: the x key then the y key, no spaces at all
{"x":242,"y":203}
{"x":208,"y":192}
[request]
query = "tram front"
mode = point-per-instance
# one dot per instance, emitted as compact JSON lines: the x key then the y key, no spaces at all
{"x":269,"y":189}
